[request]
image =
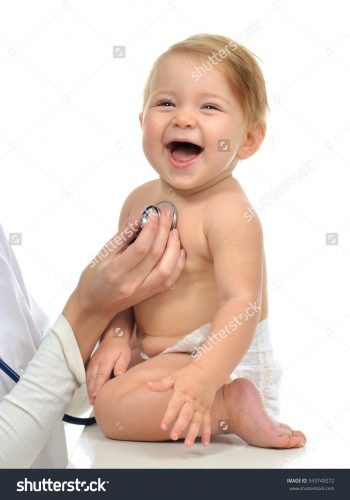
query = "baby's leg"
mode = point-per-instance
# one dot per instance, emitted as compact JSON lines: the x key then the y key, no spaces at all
{"x":126,"y":409}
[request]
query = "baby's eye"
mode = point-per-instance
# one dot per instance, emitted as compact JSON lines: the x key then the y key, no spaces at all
{"x":210,"y":106}
{"x":166,"y":103}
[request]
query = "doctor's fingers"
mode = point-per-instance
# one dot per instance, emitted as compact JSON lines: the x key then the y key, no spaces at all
{"x":129,"y":270}
{"x":137,"y":285}
{"x":119,"y":241}
{"x":168,"y":270}
{"x":137,"y":251}
{"x":159,"y":245}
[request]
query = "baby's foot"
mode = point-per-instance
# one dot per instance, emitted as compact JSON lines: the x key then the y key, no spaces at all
{"x":249,"y":420}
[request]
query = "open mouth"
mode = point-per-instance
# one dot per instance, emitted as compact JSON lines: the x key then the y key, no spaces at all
{"x":183,"y":151}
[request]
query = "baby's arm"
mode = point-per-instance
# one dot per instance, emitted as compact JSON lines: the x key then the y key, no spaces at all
{"x":112,"y":354}
{"x":236,"y":245}
{"x":237,"y":249}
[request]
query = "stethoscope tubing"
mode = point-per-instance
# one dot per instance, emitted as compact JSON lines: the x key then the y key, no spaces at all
{"x":66,"y":418}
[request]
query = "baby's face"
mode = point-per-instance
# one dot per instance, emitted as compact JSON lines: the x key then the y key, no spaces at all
{"x":203,"y":112}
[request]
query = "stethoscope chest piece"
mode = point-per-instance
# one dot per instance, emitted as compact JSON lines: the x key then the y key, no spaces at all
{"x":146,"y":213}
{"x":156,"y":208}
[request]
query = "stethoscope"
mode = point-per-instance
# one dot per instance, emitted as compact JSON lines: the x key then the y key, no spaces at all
{"x":14,"y":375}
{"x":148,"y":210}
{"x":155,"y":209}
{"x":66,"y":418}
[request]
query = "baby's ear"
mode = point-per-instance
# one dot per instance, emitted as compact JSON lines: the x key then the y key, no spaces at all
{"x":141,"y":118}
{"x":253,"y":139}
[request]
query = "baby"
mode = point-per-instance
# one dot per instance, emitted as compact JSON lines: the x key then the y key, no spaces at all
{"x":201,"y":362}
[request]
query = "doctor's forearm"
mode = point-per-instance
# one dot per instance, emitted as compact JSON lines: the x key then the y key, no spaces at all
{"x":87,"y":325}
{"x":232,"y":332}
{"x":30,"y":412}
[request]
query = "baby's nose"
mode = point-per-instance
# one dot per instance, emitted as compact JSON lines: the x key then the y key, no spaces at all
{"x":183,"y":120}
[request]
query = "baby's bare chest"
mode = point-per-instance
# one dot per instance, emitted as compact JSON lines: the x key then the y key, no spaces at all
{"x":190,"y":225}
{"x":193,"y":299}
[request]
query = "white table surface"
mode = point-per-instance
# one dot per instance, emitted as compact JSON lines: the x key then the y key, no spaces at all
{"x":327,"y":447}
{"x":93,"y":450}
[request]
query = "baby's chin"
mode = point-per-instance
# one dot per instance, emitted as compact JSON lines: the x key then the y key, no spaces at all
{"x":186,"y":184}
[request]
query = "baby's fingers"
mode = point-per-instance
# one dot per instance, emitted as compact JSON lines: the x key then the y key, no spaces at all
{"x":194,"y":427}
{"x":101,"y":378}
{"x":122,"y":363}
{"x":206,"y":428}
{"x":186,"y":416}
{"x":173,"y":409}
{"x":91,"y":373}
{"x":97,"y":378}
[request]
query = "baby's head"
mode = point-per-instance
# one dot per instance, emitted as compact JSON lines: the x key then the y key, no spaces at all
{"x":209,"y":92}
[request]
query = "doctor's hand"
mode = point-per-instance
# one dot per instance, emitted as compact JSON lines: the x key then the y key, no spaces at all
{"x":190,"y":404}
{"x":124,"y":274}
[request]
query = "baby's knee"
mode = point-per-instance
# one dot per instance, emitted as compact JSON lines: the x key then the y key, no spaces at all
{"x":106,"y":405}
{"x":109,"y":409}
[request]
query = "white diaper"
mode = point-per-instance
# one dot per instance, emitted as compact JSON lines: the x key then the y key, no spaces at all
{"x":258,"y":365}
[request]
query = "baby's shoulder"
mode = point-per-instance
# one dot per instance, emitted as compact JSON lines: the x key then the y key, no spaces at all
{"x":231,"y":196}
{"x":231,"y":206}
{"x":138,"y":198}
{"x":142,"y":194}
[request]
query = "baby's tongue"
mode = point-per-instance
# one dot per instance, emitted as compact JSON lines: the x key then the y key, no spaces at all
{"x":185,"y":152}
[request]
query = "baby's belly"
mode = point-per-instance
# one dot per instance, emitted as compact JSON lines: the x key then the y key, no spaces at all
{"x":163,"y":319}
{"x":152,"y":346}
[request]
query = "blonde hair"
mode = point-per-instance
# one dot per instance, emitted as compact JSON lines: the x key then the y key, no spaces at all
{"x":238,"y":65}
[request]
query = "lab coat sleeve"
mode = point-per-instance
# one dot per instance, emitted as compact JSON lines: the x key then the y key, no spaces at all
{"x":29,"y":413}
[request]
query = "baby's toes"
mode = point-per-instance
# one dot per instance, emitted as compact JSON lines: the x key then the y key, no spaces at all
{"x":295,"y":440}
{"x":285,"y":430}
{"x":301,"y":436}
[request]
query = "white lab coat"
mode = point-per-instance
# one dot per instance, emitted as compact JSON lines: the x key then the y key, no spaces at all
{"x":22,"y":328}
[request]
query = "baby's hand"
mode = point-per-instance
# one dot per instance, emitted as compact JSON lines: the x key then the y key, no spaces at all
{"x":190,"y":404}
{"x":112,"y":354}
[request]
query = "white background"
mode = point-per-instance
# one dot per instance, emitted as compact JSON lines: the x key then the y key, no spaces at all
{"x":70,"y":152}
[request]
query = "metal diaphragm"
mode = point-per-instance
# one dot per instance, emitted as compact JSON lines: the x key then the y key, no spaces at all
{"x":147,"y":211}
